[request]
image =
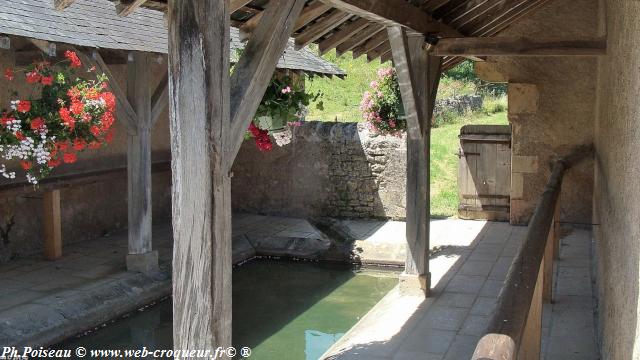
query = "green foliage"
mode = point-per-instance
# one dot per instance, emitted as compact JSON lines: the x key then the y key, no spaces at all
{"x":287,"y":100}
{"x":494,"y":104}
{"x":462,"y":72}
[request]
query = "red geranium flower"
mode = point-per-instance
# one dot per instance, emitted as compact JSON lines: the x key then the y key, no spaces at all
{"x":94,"y":145}
{"x":79,"y":144}
{"x":53,"y":163}
{"x":8,"y":74}
{"x":20,"y":136}
{"x":4,"y":120}
{"x":24,"y":106}
{"x":73,"y":57}
{"x":47,"y":80}
{"x":66,"y":117}
{"x":33,"y":77}
{"x":69,"y":158}
{"x":95,"y":130}
{"x":109,"y":137}
{"x":62,"y":146}
{"x":77,"y":107}
{"x":26,"y":165}
{"x":110,"y":100}
{"x":37,"y":123}
{"x":107,"y":120}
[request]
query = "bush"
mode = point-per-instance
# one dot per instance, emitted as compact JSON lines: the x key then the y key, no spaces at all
{"x":445,"y":117}
{"x":494,"y":104}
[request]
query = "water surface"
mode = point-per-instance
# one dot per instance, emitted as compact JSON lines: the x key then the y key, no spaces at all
{"x":281,"y":310}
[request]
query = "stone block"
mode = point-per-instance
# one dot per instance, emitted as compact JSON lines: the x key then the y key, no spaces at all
{"x":524,"y":164}
{"x":523,"y":98}
{"x":488,"y":71}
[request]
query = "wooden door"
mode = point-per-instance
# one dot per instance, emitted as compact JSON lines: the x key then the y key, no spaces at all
{"x":484,"y":172}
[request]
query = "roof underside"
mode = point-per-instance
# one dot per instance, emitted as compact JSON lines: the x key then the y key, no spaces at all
{"x":94,"y":23}
{"x":331,"y":28}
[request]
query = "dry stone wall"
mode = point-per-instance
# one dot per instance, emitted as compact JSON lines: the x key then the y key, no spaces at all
{"x":330,"y":169}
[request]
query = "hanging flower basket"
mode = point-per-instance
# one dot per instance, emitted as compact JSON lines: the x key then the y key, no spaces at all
{"x":283,"y":107}
{"x":382,"y":106}
{"x":65,"y":115}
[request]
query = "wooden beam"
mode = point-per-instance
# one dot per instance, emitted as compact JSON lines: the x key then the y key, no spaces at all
{"x":359,"y":38}
{"x":127,"y":7}
{"x":236,"y":5}
{"x":378,"y":51}
{"x":52,"y":225}
{"x":342,"y":35}
{"x":62,"y":4}
{"x":518,"y":46}
{"x":372,"y":43}
{"x":160,"y":99}
{"x":199,"y":68}
{"x":141,"y":256}
{"x":46,"y":47}
{"x":418,"y":79}
{"x":320,"y":28}
{"x":310,"y":13}
{"x":394,"y":13}
{"x":257,"y":65}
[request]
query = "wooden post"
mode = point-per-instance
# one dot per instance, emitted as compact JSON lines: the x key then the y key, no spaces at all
{"x":418,"y":77}
{"x":52,"y":225}
{"x":201,"y":193}
{"x":556,"y":232}
{"x":547,"y":262}
{"x":141,"y":256}
{"x":532,"y":334}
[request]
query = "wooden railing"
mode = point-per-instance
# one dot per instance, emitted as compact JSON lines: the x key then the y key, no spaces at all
{"x":515,"y":330}
{"x":50,"y":188}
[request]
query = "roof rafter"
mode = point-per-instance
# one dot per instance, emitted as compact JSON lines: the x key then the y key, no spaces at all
{"x":127,"y":7}
{"x":395,"y":12}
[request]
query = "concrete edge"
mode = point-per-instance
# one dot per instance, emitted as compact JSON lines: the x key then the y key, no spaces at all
{"x":65,"y":314}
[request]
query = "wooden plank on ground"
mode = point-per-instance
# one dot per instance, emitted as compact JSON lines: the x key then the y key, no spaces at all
{"x":52,"y":225}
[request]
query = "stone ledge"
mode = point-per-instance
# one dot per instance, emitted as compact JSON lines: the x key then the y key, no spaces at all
{"x":68,"y":313}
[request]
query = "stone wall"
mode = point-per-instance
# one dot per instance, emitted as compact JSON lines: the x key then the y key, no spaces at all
{"x":92,"y":210}
{"x":551,"y":108}
{"x":459,"y":104}
{"x":329,"y":169}
{"x":617,"y":182}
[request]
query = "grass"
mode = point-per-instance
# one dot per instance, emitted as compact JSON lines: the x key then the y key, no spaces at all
{"x":444,"y":161}
{"x":341,"y":98}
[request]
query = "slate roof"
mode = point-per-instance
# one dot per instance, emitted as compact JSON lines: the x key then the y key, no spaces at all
{"x":94,"y":23}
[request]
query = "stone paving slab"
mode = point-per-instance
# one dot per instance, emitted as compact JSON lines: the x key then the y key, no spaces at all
{"x":469,"y":265}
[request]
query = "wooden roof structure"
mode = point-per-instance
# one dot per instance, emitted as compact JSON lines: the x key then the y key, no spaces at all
{"x":342,"y":25}
{"x":93,"y":23}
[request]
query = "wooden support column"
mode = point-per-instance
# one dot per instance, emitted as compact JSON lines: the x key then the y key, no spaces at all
{"x":52,"y":225}
{"x":141,"y":256}
{"x":418,"y":77}
{"x":201,"y":193}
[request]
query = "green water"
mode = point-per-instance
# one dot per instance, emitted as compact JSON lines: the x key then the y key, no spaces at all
{"x":281,"y":310}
